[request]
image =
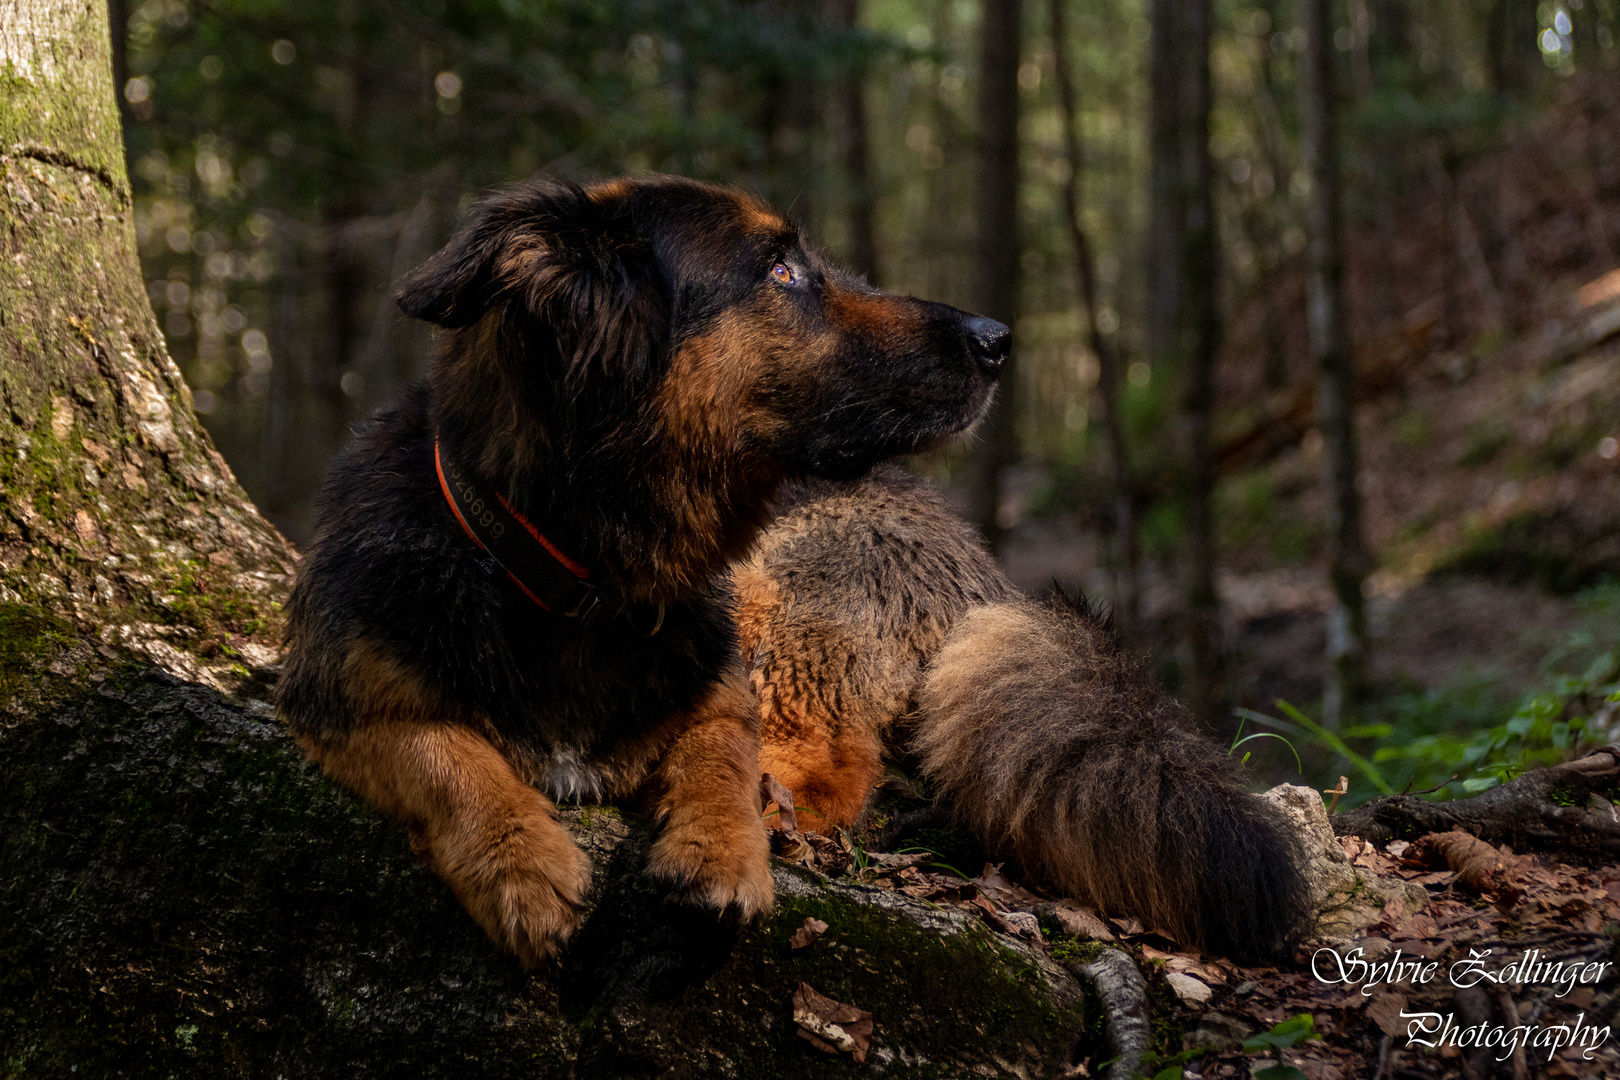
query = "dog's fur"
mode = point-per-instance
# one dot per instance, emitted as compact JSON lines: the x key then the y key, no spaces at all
{"x":867,"y":604}
{"x":637,"y":367}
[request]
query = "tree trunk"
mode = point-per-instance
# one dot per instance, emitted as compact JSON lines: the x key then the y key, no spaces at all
{"x":862,"y":198}
{"x":996,"y":265}
{"x":1127,"y":553}
{"x":1184,"y":319}
{"x":181,"y":893}
{"x":1564,"y":808}
{"x":119,"y":516}
{"x":1335,"y":382}
{"x":1515,"y":57}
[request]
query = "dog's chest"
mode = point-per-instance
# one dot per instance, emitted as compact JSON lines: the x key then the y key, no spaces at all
{"x":567,"y":774}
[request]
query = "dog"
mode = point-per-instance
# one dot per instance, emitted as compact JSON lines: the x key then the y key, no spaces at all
{"x":876,"y":624}
{"x":518,"y":590}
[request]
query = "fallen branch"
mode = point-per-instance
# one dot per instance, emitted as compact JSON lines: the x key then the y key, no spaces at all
{"x":1550,"y":809}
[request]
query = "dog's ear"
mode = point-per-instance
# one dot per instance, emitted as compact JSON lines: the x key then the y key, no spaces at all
{"x":512,"y":235}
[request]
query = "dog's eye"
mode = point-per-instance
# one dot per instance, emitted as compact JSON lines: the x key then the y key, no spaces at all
{"x":781,"y":273}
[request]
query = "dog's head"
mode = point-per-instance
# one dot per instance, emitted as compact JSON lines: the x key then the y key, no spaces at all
{"x":700,"y":311}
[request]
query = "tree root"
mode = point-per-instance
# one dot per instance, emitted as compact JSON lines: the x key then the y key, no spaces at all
{"x":1562,"y":808}
{"x":1123,"y":991}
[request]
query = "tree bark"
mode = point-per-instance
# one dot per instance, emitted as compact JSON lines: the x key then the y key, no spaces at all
{"x":995,"y":291}
{"x":862,"y":199}
{"x":181,"y":893}
{"x":119,"y":516}
{"x":1184,"y":318}
{"x":1515,"y":57}
{"x":1335,"y":383}
{"x":1127,"y":553}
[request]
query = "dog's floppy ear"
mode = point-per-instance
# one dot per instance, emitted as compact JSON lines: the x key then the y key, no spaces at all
{"x":511,"y":233}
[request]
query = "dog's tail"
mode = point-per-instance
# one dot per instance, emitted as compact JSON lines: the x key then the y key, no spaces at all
{"x":1057,"y":746}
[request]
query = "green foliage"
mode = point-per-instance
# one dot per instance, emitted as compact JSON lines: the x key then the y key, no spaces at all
{"x":1549,"y":726}
{"x":1290,"y":1032}
{"x":1451,"y":741}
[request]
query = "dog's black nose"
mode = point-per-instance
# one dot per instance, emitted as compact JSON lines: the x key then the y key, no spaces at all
{"x":991,"y":342}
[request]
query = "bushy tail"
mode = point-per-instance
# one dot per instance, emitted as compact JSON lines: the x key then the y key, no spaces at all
{"x":1057,"y":746}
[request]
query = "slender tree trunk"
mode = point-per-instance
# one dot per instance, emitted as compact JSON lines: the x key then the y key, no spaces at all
{"x":1201,"y":333}
{"x":1167,"y":215}
{"x":1127,"y":552}
{"x":995,"y":291}
{"x":1184,"y":321}
{"x":1335,"y":385}
{"x":862,"y":199}
{"x":1515,"y":57}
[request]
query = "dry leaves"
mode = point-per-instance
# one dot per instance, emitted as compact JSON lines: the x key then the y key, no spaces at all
{"x":808,"y":934}
{"x":831,"y":1026}
{"x":776,"y":802}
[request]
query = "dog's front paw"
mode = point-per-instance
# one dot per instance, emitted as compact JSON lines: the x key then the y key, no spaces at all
{"x":521,"y":878}
{"x":720,"y":862}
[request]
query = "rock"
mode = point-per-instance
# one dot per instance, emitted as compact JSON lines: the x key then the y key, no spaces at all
{"x":1347,"y":898}
{"x":1190,"y":990}
{"x":1217,"y":1031}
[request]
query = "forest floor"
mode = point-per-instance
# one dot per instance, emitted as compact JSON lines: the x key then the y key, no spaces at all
{"x":1517,"y":949}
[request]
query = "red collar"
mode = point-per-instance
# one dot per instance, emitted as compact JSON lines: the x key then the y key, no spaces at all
{"x":543,"y":573}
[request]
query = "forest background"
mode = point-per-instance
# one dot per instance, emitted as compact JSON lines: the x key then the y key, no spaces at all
{"x":292,"y":159}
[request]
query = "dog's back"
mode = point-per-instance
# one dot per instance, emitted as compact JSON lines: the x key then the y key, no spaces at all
{"x":870,"y":601}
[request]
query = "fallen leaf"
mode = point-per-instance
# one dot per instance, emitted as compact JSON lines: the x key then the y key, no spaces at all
{"x":1385,"y":1009}
{"x":772,"y":791}
{"x":808,"y":934}
{"x":1081,"y":922}
{"x":831,"y":1026}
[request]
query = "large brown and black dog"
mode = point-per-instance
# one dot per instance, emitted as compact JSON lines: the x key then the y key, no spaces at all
{"x":518,"y":582}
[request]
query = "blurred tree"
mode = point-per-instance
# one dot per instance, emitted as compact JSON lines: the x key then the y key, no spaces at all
{"x":1335,"y":381}
{"x":1127,"y":548}
{"x":856,"y":137}
{"x":995,"y":285}
{"x":1184,"y":317}
{"x":1514,"y":56}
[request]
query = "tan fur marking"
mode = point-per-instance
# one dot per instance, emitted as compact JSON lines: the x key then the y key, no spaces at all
{"x":712,"y":843}
{"x":707,"y":403}
{"x":608,"y":190}
{"x":494,"y":839}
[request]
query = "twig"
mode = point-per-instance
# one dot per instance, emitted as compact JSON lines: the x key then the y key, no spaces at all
{"x":1385,"y":1052}
{"x":1510,"y":1013}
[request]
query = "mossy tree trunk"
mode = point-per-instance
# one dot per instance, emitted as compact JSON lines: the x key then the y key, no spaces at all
{"x":119,"y":516}
{"x":181,"y":894}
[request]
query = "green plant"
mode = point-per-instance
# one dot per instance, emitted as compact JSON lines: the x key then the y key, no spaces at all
{"x":1311,"y":731}
{"x":1547,"y":728}
{"x":1238,"y":739}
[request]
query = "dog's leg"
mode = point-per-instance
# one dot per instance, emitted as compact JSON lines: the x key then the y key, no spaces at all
{"x":712,"y":840}
{"x":492,"y":837}
{"x":831,"y":774}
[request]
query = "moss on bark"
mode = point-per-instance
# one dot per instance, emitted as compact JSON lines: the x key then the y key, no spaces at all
{"x":118,"y":513}
{"x":182,"y":894}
